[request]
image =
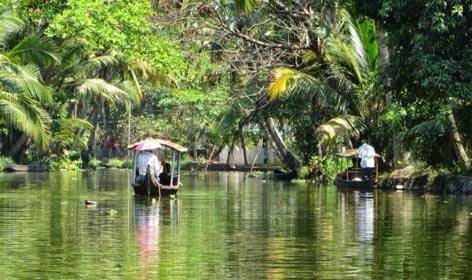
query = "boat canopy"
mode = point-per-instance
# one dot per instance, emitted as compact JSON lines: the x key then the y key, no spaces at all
{"x":351,"y":153}
{"x":163,"y":142}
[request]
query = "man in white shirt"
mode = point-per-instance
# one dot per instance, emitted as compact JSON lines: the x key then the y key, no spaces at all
{"x":146,"y":158}
{"x":367,"y":155}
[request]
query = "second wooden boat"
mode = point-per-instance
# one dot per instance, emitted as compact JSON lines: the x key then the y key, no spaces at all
{"x":24,"y":168}
{"x":284,"y":175}
{"x":352,"y":177}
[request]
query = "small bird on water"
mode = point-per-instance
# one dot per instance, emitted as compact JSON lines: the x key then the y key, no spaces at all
{"x":90,"y":202}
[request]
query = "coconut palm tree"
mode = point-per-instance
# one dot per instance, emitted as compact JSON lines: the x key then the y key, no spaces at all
{"x":90,"y":91}
{"x":23,"y":97}
{"x":345,"y":84}
{"x":94,"y":82}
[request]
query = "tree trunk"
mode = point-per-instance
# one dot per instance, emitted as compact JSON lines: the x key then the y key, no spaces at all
{"x":18,"y":145}
{"x":230,"y":150}
{"x":286,"y":155}
{"x":94,"y":122}
{"x":458,"y":147}
{"x":243,"y":144}
{"x":384,"y":56}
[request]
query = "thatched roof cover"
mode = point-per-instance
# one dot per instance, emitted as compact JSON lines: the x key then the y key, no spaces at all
{"x":351,"y":153}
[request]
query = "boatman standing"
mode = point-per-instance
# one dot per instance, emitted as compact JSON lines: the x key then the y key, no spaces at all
{"x":146,"y":158}
{"x":367,"y":155}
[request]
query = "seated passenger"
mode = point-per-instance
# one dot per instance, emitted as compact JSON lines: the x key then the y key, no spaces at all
{"x":164,"y":177}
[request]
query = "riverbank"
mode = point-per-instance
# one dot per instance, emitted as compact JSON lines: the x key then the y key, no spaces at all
{"x":408,"y":179}
{"x":405,"y":179}
{"x":215,"y":166}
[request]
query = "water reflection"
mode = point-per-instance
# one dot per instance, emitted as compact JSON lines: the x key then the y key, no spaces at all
{"x":362,"y":204}
{"x":226,"y":225}
{"x":365,"y":216}
{"x":148,"y":216}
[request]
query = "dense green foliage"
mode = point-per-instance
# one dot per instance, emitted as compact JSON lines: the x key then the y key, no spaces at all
{"x":82,"y":74}
{"x":430,"y":70}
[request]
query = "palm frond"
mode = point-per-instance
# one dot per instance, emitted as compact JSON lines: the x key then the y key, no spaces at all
{"x":4,"y":59}
{"x":26,"y":115}
{"x":24,"y":80}
{"x":280,"y":81}
{"x":9,"y":25}
{"x":101,"y":89}
{"x":244,"y":6}
{"x":227,"y":121}
{"x":134,"y":93}
{"x":94,"y":63}
{"x":102,"y":60}
{"x":426,"y":130}
{"x":67,"y":138}
{"x":344,"y":63}
{"x":152,"y":74}
{"x":285,"y":81}
{"x":72,"y":124}
{"x":67,"y":134}
{"x":35,"y":49}
{"x":142,"y":68}
{"x":289,"y":82}
{"x":29,"y":82}
{"x":139,"y":93}
{"x":357,"y":42}
{"x":72,"y":52}
{"x":354,"y":62}
{"x":339,"y":129}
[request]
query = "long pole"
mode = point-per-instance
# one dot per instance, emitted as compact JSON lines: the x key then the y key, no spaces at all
{"x":357,"y":166}
{"x":376,"y":169}
{"x":129,"y":127}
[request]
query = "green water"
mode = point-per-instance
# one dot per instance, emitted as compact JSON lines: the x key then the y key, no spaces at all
{"x":226,"y":225}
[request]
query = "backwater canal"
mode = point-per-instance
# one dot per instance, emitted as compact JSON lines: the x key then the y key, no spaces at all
{"x":226,"y":225}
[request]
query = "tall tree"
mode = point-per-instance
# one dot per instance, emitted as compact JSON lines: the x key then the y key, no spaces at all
{"x":23,"y":97}
{"x":430,"y":59}
{"x":344,"y":86}
{"x":110,"y":50}
{"x":254,"y":36}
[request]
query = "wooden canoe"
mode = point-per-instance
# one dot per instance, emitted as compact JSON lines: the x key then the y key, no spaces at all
{"x":284,"y":175}
{"x":152,"y":186}
{"x":355,"y":184}
{"x":351,"y":178}
{"x":24,"y":168}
